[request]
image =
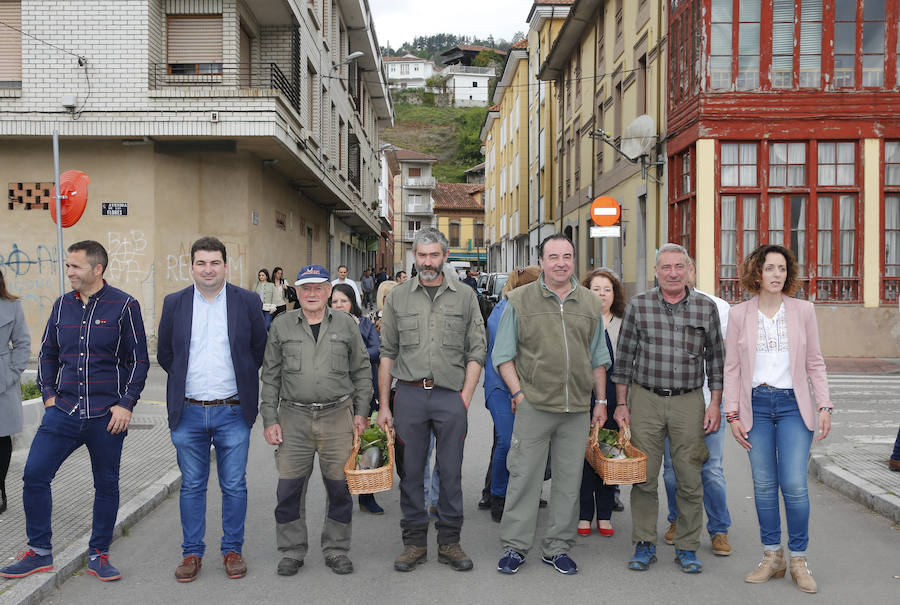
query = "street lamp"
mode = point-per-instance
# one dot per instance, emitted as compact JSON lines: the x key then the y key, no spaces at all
{"x":350,"y":58}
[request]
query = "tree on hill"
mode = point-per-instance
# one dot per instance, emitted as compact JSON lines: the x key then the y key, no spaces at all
{"x":428,"y":47}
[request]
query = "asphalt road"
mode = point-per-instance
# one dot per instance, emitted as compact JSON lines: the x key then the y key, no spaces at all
{"x":853,"y":552}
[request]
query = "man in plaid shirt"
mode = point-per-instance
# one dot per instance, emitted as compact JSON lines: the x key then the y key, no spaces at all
{"x":667,"y":335}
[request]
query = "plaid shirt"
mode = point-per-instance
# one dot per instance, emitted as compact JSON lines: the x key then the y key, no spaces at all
{"x":94,"y":354}
{"x":664,"y":346}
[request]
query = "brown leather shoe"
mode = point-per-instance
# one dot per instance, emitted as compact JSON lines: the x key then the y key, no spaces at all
{"x":410,"y":557}
{"x":455,"y":556}
{"x":894,"y":465}
{"x":669,"y":538}
{"x":720,"y":545}
{"x":189,"y":569}
{"x":803,"y":577}
{"x":771,"y":566}
{"x":235,"y":566}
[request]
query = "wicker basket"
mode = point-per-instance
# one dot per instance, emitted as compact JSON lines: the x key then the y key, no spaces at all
{"x":370,"y":481}
{"x":617,"y":472}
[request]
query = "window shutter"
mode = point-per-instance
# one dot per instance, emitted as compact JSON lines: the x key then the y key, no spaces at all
{"x":192,"y":39}
{"x":10,"y":41}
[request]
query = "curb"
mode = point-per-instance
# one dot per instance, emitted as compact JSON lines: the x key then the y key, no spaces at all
{"x":36,"y":588}
{"x":865,"y":492}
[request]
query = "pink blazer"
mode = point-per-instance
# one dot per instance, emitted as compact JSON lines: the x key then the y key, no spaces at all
{"x":807,"y":365}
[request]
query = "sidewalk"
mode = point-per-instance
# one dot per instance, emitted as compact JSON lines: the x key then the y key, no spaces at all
{"x":148,"y":475}
{"x":860,"y":470}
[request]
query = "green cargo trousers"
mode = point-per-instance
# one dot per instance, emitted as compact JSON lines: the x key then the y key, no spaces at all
{"x":305,"y":432}
{"x":653,"y":417}
{"x":534,"y":433}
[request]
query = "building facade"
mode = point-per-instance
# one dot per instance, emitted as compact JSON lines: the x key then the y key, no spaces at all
{"x":468,"y":86}
{"x":609,"y":65}
{"x":408,"y":71}
{"x":252,"y":120}
{"x":784,"y":127}
{"x":414,"y":205}
{"x":459,"y":214}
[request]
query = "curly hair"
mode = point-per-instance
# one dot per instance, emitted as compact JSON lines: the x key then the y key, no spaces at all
{"x":618,"y":304}
{"x":752,"y":267}
{"x":521,"y":276}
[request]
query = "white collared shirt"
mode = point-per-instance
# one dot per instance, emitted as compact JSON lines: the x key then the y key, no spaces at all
{"x":773,"y":360}
{"x":210,"y":371}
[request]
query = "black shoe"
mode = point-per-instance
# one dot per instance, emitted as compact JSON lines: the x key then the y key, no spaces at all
{"x":339,"y":564}
{"x":542,"y":503}
{"x":497,"y":505}
{"x":3,"y":505}
{"x":617,"y":505}
{"x":485,"y":502}
{"x":289,"y":567}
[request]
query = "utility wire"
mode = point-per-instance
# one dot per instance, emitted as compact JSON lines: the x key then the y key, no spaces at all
{"x":24,"y":33}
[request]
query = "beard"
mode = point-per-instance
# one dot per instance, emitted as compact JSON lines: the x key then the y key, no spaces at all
{"x":428,"y":272}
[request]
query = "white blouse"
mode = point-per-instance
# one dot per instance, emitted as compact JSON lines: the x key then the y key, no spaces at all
{"x":773,"y":363}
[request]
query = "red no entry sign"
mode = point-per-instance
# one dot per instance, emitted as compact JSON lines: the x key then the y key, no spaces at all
{"x":605,"y":211}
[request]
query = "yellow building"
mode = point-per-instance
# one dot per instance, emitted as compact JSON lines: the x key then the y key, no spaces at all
{"x":608,"y":62}
{"x":459,"y":212}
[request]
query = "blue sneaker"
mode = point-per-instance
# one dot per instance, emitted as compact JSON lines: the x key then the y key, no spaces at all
{"x":561,"y":563}
{"x":27,"y":563}
{"x":510,"y":562}
{"x":688,"y":561}
{"x":102,"y":569}
{"x":644,"y":555}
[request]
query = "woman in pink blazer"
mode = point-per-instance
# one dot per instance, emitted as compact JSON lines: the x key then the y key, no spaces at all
{"x":772,"y":363}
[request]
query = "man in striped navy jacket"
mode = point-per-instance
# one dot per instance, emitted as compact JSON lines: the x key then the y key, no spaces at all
{"x":93,"y":364}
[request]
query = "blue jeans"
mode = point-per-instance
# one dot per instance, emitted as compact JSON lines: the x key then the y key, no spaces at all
{"x":896,"y":454}
{"x":58,"y":436}
{"x":718,"y":520}
{"x":501,"y":411}
{"x":779,"y":457}
{"x":224,"y":427}
{"x":432,"y":478}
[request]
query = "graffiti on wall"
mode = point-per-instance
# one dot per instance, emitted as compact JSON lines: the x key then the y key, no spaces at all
{"x":178,"y":263}
{"x":31,"y":273}
{"x":126,"y":251}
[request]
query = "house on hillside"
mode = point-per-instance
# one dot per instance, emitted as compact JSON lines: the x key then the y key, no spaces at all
{"x":467,"y":85}
{"x":459,"y":214}
{"x":408,"y":71}
{"x":475,"y":174}
{"x":464,"y":54}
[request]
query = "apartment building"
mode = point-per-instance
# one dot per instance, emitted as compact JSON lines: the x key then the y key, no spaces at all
{"x":408,"y":71}
{"x":253,"y":120}
{"x":459,"y":214}
{"x":468,"y":86}
{"x":414,"y":204}
{"x":791,"y":135}
{"x":609,"y":65}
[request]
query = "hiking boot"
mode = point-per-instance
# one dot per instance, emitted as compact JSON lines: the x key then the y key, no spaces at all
{"x":27,"y":563}
{"x":720,"y":545}
{"x":339,"y":564}
{"x":100,"y":567}
{"x":289,"y":567}
{"x":802,"y":576}
{"x":510,"y":562}
{"x":669,"y":538}
{"x":644,"y":555}
{"x":410,"y":557}
{"x":688,"y":561}
{"x":235,"y":566}
{"x":455,"y":556}
{"x":497,"y":505}
{"x":772,"y":565}
{"x":189,"y":569}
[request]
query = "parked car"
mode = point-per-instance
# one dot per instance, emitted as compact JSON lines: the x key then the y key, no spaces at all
{"x":491,"y":296}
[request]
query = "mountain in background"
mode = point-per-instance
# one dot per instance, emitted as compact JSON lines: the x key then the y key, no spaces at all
{"x":428,"y":47}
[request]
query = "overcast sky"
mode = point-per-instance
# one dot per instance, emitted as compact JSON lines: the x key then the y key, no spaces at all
{"x":399,"y":21}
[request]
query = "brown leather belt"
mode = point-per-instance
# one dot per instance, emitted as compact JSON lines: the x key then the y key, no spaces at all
{"x":231,"y":401}
{"x":424,"y":383}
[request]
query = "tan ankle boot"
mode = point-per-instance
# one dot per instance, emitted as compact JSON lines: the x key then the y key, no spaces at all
{"x":802,"y":575}
{"x":772,"y":565}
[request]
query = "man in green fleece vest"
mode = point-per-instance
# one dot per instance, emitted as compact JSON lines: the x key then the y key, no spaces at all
{"x":551,"y":351}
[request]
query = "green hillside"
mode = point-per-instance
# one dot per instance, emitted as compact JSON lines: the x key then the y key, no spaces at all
{"x":451,"y":134}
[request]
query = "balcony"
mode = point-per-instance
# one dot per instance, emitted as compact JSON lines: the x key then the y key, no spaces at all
{"x":266,"y":76}
{"x":418,"y":208}
{"x":420,"y":182}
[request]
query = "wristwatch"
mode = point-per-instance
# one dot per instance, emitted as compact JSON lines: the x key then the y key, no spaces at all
{"x":600,"y":401}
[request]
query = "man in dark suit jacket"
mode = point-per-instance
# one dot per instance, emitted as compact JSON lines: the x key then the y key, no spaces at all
{"x":211,"y":342}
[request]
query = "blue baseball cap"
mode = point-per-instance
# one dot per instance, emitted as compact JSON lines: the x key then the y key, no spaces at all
{"x":312,"y":274}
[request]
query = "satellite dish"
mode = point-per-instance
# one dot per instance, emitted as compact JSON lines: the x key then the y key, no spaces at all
{"x":74,"y":189}
{"x":639,"y":136}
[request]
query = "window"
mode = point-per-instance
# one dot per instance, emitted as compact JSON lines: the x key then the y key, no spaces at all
{"x":748,"y":45}
{"x":682,"y":206}
{"x":479,"y":235}
{"x":873,"y":34}
{"x":311,"y":88}
{"x":475,"y":84}
{"x":783,"y":44}
{"x":10,"y":44}
{"x":454,"y":234}
{"x":720,"y":45}
{"x":738,"y":164}
{"x":404,"y":69}
{"x":685,"y":173}
{"x":787,"y":165}
{"x":354,"y":172}
{"x":837,"y":163}
{"x":890,"y":283}
{"x":415,"y":171}
{"x":194,"y":44}
{"x":845,"y":45}
{"x":811,"y":44}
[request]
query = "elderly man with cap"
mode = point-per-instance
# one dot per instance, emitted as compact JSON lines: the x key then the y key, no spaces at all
{"x":315,"y":377}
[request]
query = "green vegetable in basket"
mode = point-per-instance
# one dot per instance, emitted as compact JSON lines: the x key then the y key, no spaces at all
{"x":607,"y":436}
{"x":373,"y":450}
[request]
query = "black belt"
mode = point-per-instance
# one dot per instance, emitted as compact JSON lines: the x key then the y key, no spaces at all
{"x":231,"y":401}
{"x":316,"y":406}
{"x":668,"y":392}
{"x":424,"y":383}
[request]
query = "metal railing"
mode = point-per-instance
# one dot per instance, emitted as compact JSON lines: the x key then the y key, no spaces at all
{"x":418,"y":208}
{"x":424,"y":182}
{"x":232,"y":75}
